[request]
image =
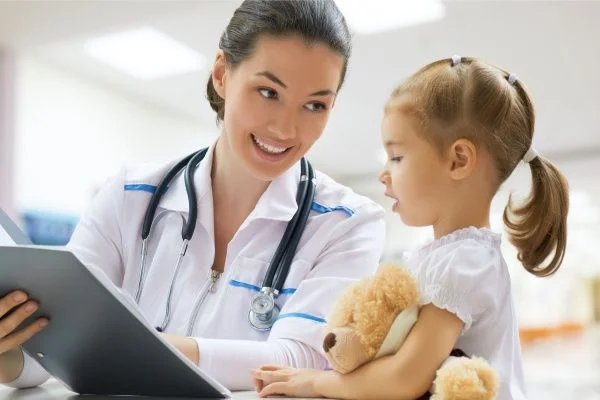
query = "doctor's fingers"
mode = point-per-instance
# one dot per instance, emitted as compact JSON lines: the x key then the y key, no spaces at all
{"x":276,"y":389}
{"x":11,"y":301}
{"x":269,"y":377}
{"x":10,"y":341}
{"x":273,"y":367}
{"x":258,"y":384}
{"x":10,"y":322}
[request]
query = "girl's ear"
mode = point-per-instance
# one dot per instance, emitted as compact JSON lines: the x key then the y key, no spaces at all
{"x":462,"y":157}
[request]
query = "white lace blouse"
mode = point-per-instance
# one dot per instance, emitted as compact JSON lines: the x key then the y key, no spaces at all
{"x":465,"y":273}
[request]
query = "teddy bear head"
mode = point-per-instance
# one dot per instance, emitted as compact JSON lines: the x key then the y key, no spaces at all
{"x":364,"y":314}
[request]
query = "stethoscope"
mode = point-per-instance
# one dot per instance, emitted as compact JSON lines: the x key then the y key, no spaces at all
{"x":263,"y":311}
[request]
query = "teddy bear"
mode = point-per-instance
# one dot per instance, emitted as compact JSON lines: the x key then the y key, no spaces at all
{"x":372,"y":318}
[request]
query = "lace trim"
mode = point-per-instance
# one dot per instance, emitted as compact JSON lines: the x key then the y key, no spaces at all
{"x":449,"y":301}
{"x":484,"y":236}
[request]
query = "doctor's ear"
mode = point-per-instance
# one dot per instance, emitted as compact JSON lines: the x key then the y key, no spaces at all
{"x":218,"y":73}
{"x":462,"y":156}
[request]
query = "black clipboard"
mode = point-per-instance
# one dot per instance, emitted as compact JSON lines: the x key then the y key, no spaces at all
{"x":97,"y":342}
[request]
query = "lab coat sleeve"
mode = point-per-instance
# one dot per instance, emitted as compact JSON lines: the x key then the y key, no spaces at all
{"x":33,"y":374}
{"x":97,"y":240}
{"x":230,"y":362}
{"x":353,"y":251}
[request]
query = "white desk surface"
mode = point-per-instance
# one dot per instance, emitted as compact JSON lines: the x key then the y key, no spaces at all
{"x":53,"y":390}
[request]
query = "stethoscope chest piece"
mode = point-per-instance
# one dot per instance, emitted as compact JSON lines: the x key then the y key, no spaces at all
{"x":263,"y":310}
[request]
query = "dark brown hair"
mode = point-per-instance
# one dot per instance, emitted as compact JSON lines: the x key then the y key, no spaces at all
{"x":316,"y":21}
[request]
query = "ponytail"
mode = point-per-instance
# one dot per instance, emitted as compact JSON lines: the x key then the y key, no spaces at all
{"x":538,"y":227}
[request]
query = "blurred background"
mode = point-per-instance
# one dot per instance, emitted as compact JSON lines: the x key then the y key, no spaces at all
{"x":87,"y":87}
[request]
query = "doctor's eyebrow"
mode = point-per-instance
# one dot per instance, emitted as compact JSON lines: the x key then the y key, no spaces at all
{"x":273,"y":78}
{"x":324,"y":92}
{"x":269,"y":75}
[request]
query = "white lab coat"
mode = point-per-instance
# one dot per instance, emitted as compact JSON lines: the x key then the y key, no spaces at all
{"x":342,"y":242}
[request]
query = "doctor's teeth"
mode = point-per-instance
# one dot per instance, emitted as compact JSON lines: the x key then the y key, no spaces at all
{"x":269,"y":148}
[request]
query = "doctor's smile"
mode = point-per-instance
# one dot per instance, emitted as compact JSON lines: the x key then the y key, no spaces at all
{"x":270,"y":150}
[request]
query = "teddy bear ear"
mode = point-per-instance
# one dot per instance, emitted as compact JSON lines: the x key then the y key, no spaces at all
{"x":343,"y":310}
{"x":390,"y":291}
{"x":396,"y":286}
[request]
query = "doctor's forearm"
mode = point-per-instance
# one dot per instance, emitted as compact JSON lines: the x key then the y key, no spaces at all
{"x":11,"y":365}
{"x":187,"y":346}
{"x":231,"y":361}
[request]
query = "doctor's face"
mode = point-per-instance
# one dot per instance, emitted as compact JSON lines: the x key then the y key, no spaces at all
{"x":277,"y":102}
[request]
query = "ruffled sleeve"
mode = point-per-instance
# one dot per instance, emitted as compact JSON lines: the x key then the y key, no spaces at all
{"x":463,"y":276}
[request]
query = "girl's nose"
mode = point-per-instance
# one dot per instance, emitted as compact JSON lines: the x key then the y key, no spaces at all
{"x":383,"y":177}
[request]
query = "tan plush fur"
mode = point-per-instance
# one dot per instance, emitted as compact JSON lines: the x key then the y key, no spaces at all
{"x":389,"y":292}
{"x":382,"y":297}
{"x":468,"y":379}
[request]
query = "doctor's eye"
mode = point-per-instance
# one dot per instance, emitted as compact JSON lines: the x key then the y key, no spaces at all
{"x":268,"y":93}
{"x":316,"y":107}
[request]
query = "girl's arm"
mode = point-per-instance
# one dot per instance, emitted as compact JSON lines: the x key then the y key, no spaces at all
{"x":406,"y":375}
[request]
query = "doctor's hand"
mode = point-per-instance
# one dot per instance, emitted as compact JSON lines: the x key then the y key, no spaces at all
{"x":185,"y":345}
{"x":280,"y":380}
{"x":14,"y":309}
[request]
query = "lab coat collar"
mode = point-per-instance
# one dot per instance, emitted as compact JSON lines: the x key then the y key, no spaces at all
{"x":278,"y":202}
{"x":176,"y":198}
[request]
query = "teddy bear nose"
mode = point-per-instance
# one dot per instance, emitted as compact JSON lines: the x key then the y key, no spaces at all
{"x":329,"y":341}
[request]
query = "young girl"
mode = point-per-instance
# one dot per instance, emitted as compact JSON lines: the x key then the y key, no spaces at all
{"x":454,"y":132}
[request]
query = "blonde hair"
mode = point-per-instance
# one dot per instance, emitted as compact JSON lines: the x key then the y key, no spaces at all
{"x":467,"y":98}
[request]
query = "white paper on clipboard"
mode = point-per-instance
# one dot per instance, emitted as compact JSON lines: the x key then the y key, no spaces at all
{"x":10,"y":233}
{"x":5,"y":239}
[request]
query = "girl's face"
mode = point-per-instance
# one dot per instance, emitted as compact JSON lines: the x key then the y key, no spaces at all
{"x":277,"y":102}
{"x":415,"y":174}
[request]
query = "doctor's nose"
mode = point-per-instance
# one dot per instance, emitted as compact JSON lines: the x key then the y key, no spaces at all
{"x":284,"y":126}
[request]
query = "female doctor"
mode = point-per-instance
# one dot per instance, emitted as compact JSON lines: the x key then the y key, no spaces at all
{"x":273,"y":84}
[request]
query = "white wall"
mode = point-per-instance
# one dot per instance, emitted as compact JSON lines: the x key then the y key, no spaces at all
{"x":7,"y":133}
{"x":72,"y":134}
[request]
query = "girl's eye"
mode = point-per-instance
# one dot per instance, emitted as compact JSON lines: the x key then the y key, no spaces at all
{"x":267,"y":93}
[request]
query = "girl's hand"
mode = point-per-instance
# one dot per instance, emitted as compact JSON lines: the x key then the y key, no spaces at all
{"x":280,"y":380}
